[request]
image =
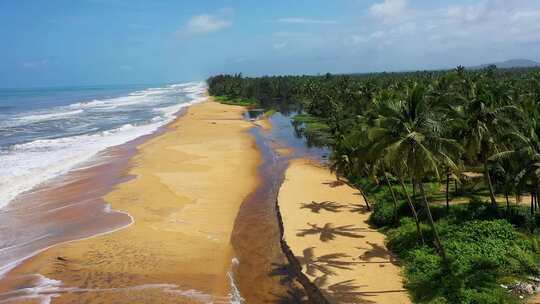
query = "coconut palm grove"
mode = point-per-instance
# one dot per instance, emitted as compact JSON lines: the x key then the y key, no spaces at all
{"x":448,"y":161}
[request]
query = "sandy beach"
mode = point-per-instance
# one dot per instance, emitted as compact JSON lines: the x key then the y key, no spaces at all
{"x":186,"y":190}
{"x":325,"y":224}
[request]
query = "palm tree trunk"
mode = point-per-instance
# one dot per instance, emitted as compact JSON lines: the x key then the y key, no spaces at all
{"x":536,"y":195}
{"x":413,"y":210}
{"x":437,"y":240}
{"x":490,"y":185}
{"x":413,"y":187}
{"x":532,"y":202}
{"x":535,"y":201}
{"x":368,"y":206}
{"x":507,"y":200}
{"x":455,"y":188}
{"x":447,"y":188}
{"x":393,"y":197}
{"x":366,"y":201}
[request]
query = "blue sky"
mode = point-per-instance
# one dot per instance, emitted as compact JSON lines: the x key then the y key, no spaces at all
{"x":87,"y":42}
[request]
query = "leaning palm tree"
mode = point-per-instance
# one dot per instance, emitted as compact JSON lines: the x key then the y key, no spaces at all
{"x":409,"y":133}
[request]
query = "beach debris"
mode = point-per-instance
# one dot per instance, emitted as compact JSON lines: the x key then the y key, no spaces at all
{"x":528,"y":287}
{"x":61,"y":258}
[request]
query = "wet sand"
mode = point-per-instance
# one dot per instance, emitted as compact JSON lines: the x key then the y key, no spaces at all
{"x":325,"y":225}
{"x":187,"y":189}
{"x":66,"y":208}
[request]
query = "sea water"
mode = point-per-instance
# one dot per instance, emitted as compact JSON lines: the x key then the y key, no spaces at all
{"x":45,"y":132}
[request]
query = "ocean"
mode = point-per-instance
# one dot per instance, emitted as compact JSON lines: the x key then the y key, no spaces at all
{"x":47,"y":132}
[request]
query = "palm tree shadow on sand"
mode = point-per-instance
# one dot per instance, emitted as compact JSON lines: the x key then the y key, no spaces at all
{"x":329,"y":206}
{"x":376,"y":251}
{"x":328,"y":232}
{"x":326,"y":264}
{"x":361,"y":209}
{"x":334,"y":184}
{"x":342,"y":292}
{"x":294,"y":293}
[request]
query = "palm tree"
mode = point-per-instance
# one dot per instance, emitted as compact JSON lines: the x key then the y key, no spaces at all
{"x":409,"y":133}
{"x":482,"y":118}
{"x":525,"y":150}
{"x":345,"y":149}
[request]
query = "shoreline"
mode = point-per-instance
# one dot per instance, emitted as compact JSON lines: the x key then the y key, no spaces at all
{"x":81,"y":190}
{"x":194,"y":284}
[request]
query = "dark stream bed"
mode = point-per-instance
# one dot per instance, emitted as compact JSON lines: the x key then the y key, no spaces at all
{"x":262,"y":274}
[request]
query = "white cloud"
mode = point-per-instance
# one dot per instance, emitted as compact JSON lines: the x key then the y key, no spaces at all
{"x":296,"y":20}
{"x":300,"y":41}
{"x":35,"y":64}
{"x":353,"y":40}
{"x":469,"y":13}
{"x":280,"y":45}
{"x":377,"y":35}
{"x":208,"y":23}
{"x":389,"y":10}
{"x":478,"y":24}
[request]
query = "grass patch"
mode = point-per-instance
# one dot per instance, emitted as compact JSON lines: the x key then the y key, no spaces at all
{"x":245,"y":102}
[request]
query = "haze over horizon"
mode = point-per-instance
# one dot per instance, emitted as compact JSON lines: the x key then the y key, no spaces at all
{"x":88,"y":42}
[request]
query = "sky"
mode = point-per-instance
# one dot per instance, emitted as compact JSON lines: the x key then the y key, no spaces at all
{"x":87,"y":42}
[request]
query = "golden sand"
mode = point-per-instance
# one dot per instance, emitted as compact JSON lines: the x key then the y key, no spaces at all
{"x":188,"y":185}
{"x":326,"y":227}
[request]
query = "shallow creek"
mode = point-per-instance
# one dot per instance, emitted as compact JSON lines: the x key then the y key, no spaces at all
{"x":261,"y":273}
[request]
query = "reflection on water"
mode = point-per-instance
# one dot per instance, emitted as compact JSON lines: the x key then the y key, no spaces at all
{"x":285,"y":134}
{"x":253,"y":114}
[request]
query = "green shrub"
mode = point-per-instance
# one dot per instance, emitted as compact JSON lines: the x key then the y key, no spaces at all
{"x":483,"y":245}
{"x":424,"y":274}
{"x":383,"y":214}
{"x":405,"y":238}
{"x":480,"y":253}
{"x":236,"y":101}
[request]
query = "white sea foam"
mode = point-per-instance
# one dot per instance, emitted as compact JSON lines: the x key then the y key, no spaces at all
{"x":45,"y":289}
{"x":234,"y":295}
{"x":148,"y":96}
{"x":48,"y":116}
{"x":24,"y":166}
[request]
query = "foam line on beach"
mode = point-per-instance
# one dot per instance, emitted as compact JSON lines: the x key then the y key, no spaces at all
{"x":7,"y":268}
{"x":27,"y":165}
{"x":45,"y":289}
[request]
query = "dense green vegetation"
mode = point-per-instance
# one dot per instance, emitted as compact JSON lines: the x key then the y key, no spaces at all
{"x":440,"y":156}
{"x":236,"y":101}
